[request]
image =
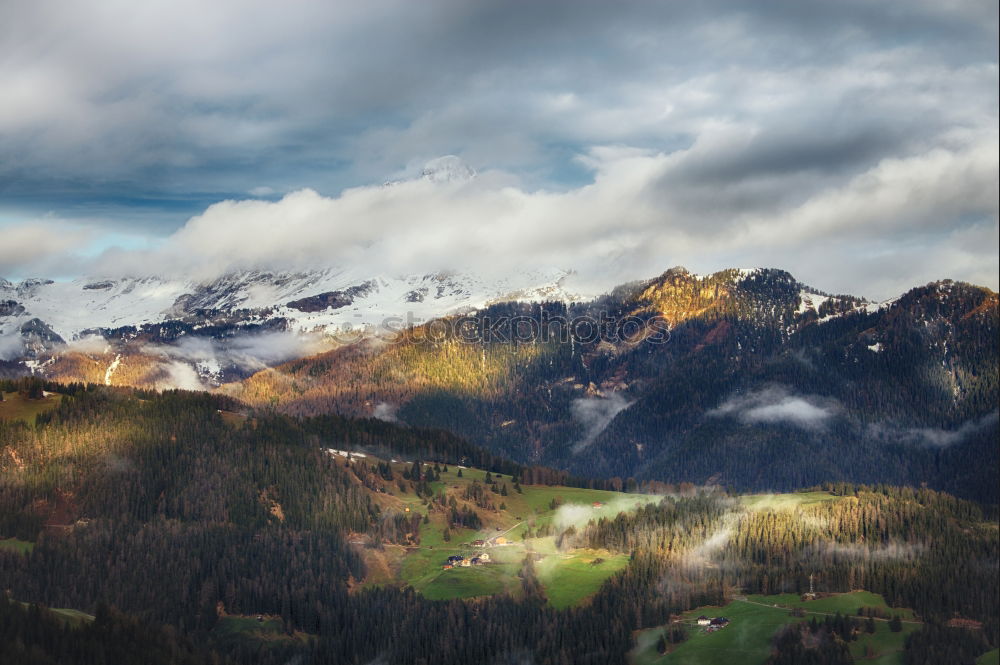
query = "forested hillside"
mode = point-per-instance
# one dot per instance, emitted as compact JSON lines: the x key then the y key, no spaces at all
{"x":761,"y":383}
{"x":190,"y":511}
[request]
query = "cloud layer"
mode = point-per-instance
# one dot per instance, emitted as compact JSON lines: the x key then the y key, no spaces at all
{"x":854,"y":144}
{"x":185,"y":359}
{"x":932,"y":436}
{"x":776,"y":405}
{"x":595,"y":414}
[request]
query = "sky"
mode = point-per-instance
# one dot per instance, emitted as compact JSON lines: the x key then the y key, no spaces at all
{"x":852,"y":143}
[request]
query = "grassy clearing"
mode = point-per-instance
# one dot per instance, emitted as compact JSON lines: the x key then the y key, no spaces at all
{"x":75,"y":617}
{"x":234,"y":420}
{"x":22,"y":546}
{"x":747,"y":639}
{"x":845,"y":603}
{"x":423,"y":570}
{"x":885,"y":644}
{"x":17,"y":407}
{"x":989,"y":658}
{"x":382,"y":566}
{"x":785,"y":501}
{"x":572,"y":577}
{"x":567,"y":577}
{"x":71,"y":616}
{"x":495,"y":578}
{"x":234,"y":627}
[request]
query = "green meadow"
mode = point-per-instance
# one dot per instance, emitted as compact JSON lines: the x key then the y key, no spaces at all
{"x":16,"y":406}
{"x":753,"y":622}
{"x":989,"y":658}
{"x":22,"y":546}
{"x":568,"y":577}
{"x":789,"y":501}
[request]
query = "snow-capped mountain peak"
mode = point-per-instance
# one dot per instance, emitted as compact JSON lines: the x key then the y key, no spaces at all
{"x":448,"y":168}
{"x":40,"y":316}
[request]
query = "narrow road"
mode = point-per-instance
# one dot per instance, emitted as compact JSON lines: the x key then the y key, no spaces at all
{"x":449,"y":546}
{"x":507,"y":531}
{"x":744,"y":599}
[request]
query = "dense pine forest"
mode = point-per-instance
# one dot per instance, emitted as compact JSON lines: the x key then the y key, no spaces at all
{"x":166,"y":515}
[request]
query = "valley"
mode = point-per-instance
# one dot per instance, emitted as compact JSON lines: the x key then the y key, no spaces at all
{"x":582,"y":499}
{"x":526,"y":521}
{"x":499,"y":333}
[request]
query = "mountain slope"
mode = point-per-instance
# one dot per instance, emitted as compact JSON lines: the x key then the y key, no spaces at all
{"x":764,"y":383}
{"x":250,"y":537}
{"x":184,"y":333}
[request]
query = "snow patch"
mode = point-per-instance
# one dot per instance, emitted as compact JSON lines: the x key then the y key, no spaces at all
{"x":448,"y":168}
{"x":109,"y":372}
{"x":390,"y":305}
{"x":810,"y":301}
{"x":343,"y":453}
{"x":873,"y":307}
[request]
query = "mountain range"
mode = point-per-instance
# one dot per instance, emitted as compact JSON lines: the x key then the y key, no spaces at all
{"x":763,"y":383}
{"x":758,"y":381}
{"x":332,"y":496}
{"x":195,"y":334}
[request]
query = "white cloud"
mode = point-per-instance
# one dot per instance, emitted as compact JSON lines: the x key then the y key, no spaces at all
{"x":11,"y":346}
{"x":40,"y":245}
{"x":854,"y":145}
{"x":595,"y":414}
{"x":180,"y":375}
{"x":385,"y":411}
{"x":933,"y":436}
{"x":577,"y":515}
{"x":629,"y":223}
{"x":703,"y":553}
{"x":572,"y":515}
{"x":891,"y":551}
{"x":247,"y":352}
{"x":917,"y":191}
{"x":777,"y":405}
{"x":91,"y":344}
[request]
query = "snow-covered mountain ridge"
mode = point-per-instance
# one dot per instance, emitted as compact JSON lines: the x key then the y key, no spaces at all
{"x":163,"y":332}
{"x":84,"y":306}
{"x":38,"y":316}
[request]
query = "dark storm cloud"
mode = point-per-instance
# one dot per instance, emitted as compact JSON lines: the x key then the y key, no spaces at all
{"x":698,"y":133}
{"x":785,"y":151}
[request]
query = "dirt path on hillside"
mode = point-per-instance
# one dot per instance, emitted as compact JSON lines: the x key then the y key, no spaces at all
{"x":827,"y":614}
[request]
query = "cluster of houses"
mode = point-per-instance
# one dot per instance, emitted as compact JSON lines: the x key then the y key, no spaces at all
{"x":459,"y":561}
{"x":712,"y":624}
